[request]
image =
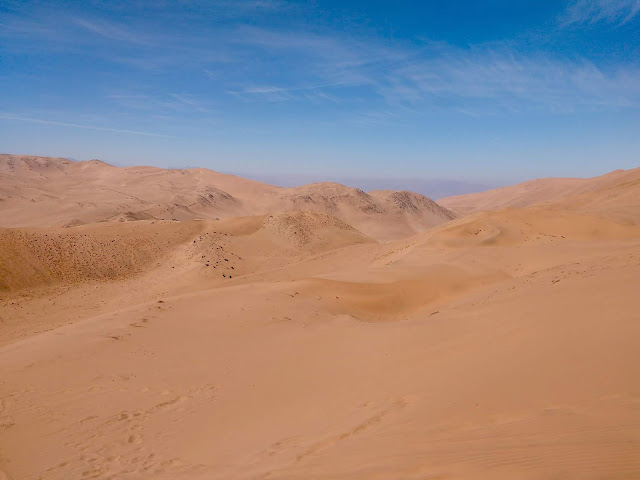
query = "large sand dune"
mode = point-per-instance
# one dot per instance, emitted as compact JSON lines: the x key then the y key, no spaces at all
{"x":551,"y":190}
{"x":286,"y":341}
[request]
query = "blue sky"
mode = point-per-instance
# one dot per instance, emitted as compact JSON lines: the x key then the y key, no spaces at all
{"x":488,"y":92}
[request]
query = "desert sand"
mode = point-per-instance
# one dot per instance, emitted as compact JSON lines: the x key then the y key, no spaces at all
{"x":186,"y":324}
{"x":596,"y":191}
{"x":40,"y":191}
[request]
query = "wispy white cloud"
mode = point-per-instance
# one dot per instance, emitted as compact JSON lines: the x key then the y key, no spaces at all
{"x":328,"y":50}
{"x":375,"y":118}
{"x":166,"y":103}
{"x":248,"y":5}
{"x":274,"y":93}
{"x":111,"y":31}
{"x":504,"y":80}
{"x":593,"y":11}
{"x":24,"y":27}
{"x":355,"y":72}
{"x":5,"y":116}
{"x":479,"y":79}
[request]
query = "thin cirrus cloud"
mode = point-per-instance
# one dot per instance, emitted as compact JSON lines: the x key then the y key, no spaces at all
{"x":364,"y":74}
{"x":479,"y":79}
{"x":110,"y":31}
{"x":81,"y":126}
{"x":504,"y":80}
{"x":166,"y":103}
{"x":593,"y":11}
{"x":278,"y":94}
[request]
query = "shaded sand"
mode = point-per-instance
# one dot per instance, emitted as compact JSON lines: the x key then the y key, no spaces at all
{"x":501,"y":345}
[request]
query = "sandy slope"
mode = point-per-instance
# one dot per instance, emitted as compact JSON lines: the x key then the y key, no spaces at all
{"x":51,"y":271}
{"x":543,"y":190}
{"x":504,"y":344}
{"x":42,"y":191}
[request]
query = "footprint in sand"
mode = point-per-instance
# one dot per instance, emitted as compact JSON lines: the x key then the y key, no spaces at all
{"x":5,"y":418}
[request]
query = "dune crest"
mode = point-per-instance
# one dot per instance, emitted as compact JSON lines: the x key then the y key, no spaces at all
{"x":545,"y":191}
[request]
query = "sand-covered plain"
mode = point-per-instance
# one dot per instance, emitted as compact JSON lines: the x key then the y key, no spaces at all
{"x":294,"y":343}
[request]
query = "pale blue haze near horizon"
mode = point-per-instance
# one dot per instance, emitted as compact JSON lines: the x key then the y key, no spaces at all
{"x":378,"y":93}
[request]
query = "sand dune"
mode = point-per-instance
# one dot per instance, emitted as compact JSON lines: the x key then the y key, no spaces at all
{"x":543,"y":190}
{"x":529,"y":226}
{"x":34,"y":257}
{"x":290,"y":344}
{"x":40,"y":191}
{"x":73,"y":262}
